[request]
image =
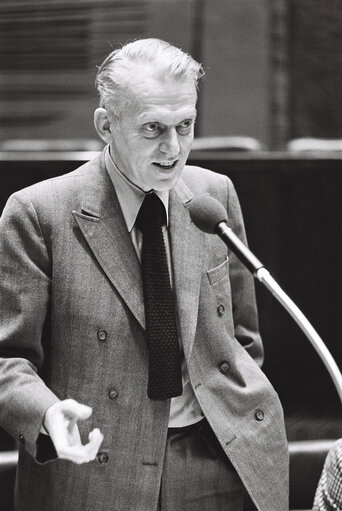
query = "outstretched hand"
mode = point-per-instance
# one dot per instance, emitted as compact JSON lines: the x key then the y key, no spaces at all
{"x":60,"y":421}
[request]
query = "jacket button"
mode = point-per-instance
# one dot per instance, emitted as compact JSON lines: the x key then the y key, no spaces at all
{"x":220,"y":309}
{"x":224,"y":367}
{"x":113,"y":393}
{"x":21,"y":439}
{"x":259,"y":415}
{"x":102,"y":457}
{"x":102,"y":335}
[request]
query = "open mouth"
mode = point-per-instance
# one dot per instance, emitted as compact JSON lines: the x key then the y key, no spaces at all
{"x":165,"y":165}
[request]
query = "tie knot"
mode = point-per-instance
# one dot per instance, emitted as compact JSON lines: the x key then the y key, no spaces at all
{"x":152,"y":212}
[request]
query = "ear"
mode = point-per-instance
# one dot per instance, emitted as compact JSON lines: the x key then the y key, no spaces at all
{"x":102,"y":124}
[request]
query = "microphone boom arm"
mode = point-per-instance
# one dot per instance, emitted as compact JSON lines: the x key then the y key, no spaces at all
{"x":262,"y":274}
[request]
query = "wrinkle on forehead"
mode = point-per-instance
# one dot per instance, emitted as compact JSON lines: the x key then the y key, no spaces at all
{"x":145,"y":87}
{"x":151,"y":99}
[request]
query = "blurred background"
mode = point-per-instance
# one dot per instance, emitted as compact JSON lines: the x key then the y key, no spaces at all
{"x":270,"y":117}
{"x":273,"y":66}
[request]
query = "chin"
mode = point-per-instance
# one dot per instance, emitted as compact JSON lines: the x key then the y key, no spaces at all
{"x":157,"y":187}
{"x":166,"y":184}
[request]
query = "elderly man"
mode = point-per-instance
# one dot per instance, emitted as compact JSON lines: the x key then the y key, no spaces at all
{"x":130,"y":370}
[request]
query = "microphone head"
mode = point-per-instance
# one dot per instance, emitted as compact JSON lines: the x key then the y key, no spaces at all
{"x":206,"y":212}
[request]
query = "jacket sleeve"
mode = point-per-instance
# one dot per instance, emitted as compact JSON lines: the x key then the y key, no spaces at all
{"x":25,"y":279}
{"x":242,"y":285}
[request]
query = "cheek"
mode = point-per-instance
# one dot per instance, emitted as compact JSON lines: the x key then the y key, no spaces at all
{"x":144,"y":150}
{"x":186,"y":143}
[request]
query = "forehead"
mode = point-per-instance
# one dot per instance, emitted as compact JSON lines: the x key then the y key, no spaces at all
{"x":167,"y":101}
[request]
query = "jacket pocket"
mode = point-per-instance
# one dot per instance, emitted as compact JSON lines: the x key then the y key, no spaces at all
{"x":219,"y":272}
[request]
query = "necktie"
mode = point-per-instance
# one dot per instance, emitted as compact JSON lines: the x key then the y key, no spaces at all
{"x":164,"y":374}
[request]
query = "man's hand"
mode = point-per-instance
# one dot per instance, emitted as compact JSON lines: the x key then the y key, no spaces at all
{"x":60,"y":421}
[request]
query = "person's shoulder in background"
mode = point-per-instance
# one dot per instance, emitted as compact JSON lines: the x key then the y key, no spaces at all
{"x":329,"y":490}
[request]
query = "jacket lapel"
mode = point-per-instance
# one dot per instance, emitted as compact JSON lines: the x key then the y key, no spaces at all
{"x":102,"y":224}
{"x":186,"y":249}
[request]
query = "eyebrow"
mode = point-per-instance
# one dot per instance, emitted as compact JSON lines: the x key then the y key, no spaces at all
{"x":158,"y":117}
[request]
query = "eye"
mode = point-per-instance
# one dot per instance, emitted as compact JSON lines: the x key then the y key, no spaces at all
{"x":151,"y":129}
{"x":185,"y":127}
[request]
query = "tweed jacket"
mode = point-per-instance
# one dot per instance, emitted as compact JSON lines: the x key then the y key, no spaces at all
{"x":73,"y":326}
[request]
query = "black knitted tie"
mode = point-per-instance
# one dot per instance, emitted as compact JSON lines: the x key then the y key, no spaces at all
{"x":164,"y":376}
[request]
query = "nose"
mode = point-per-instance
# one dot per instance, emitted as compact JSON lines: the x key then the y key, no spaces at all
{"x":170,"y":144}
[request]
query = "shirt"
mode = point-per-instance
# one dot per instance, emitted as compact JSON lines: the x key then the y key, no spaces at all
{"x":184,"y":409}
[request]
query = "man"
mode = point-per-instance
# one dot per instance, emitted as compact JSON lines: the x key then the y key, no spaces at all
{"x":161,"y":371}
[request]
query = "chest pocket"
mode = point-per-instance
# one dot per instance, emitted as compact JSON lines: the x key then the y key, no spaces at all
{"x":219,"y":273}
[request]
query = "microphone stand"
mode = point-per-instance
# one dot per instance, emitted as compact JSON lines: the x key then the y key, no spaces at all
{"x":262,"y":274}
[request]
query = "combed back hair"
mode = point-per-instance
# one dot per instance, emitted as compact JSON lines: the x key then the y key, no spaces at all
{"x":118,"y":68}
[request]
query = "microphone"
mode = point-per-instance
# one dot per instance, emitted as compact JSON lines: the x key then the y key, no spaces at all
{"x":209,"y":216}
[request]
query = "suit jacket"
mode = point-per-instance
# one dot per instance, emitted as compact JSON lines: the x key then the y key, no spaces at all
{"x":73,"y":326}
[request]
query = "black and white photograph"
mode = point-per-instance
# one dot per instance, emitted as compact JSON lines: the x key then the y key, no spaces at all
{"x":170,"y":255}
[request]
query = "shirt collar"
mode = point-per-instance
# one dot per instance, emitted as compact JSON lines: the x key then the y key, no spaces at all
{"x":129,"y":195}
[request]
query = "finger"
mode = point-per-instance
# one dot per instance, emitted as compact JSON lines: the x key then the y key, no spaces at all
{"x":63,"y":416}
{"x":82,"y":453}
{"x":95,"y":439}
{"x":76,"y":410}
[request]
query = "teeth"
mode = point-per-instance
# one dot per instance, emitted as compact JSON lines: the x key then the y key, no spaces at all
{"x":166,"y":165}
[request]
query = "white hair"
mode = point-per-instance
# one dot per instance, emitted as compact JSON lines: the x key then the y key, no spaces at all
{"x":166,"y":62}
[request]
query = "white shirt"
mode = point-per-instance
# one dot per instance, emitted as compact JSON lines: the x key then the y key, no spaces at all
{"x":185,"y":409}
